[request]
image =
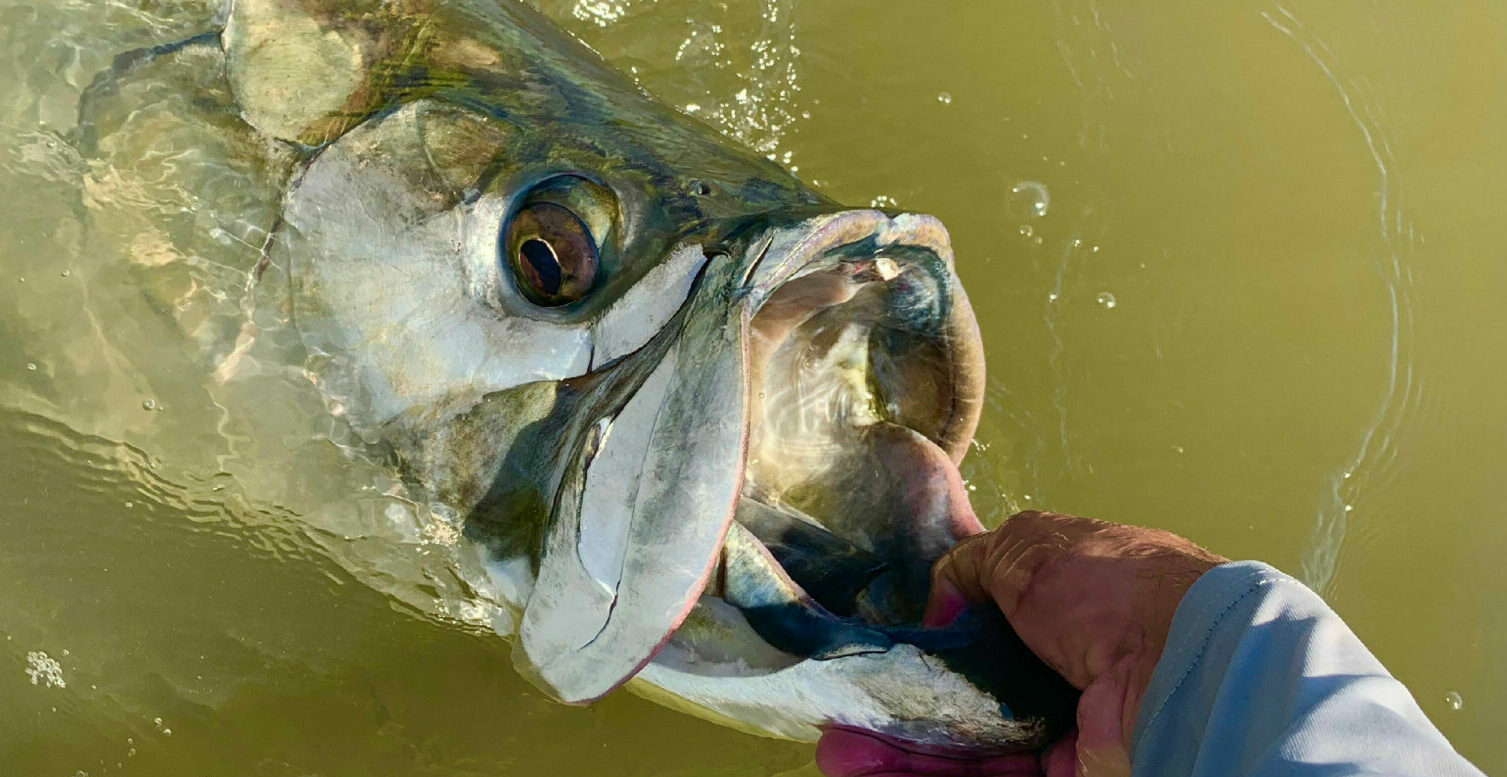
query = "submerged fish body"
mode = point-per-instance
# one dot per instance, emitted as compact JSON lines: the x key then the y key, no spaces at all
{"x":702,"y":422}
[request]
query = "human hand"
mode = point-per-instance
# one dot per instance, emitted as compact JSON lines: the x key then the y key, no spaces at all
{"x":1094,"y":600}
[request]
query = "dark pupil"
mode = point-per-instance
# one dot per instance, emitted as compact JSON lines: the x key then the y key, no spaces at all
{"x":542,"y":259}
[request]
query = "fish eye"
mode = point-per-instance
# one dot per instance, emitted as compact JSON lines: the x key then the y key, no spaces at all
{"x":551,"y":253}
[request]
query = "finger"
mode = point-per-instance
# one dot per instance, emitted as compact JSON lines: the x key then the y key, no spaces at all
{"x":849,"y":753}
{"x":1101,"y":750}
{"x":846,"y":753}
{"x":1061,"y":758}
{"x":944,"y":604}
{"x":997,"y":566}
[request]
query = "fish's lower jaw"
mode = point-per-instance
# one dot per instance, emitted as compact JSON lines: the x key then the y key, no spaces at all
{"x":899,"y":694}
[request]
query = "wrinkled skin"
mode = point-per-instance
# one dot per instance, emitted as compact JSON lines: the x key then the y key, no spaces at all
{"x":1094,"y":599}
{"x":722,"y":470}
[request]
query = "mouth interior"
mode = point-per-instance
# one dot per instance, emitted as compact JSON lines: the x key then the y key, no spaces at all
{"x":851,"y":489}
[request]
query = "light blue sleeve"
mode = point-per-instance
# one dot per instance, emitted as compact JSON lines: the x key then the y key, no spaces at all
{"x":1260,"y":678}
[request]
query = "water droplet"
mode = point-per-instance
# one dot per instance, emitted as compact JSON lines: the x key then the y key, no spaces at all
{"x":31,"y":366}
{"x":1037,"y":240}
{"x":1095,"y":250}
{"x":1105,"y":300}
{"x":1348,"y":508}
{"x":1026,"y":231}
{"x":1177,"y":449}
{"x":148,"y":404}
{"x":66,"y":273}
{"x":945,"y":98}
{"x":157,"y":721}
{"x":1454,"y":700}
{"x":1052,"y":297}
{"x":167,"y":732}
{"x":21,"y":278}
{"x":1030,"y":198}
{"x":1077,"y":242}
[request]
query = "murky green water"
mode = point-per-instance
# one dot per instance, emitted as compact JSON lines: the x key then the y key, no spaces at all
{"x":1238,"y":266}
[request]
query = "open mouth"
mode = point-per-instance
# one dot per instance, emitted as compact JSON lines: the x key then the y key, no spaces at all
{"x":864,"y":390}
{"x":865,"y":378}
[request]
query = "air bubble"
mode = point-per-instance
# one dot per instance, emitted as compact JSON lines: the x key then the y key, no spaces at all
{"x":1454,"y":700}
{"x":148,"y":404}
{"x":66,"y":273}
{"x":1026,"y":231}
{"x":31,"y":366}
{"x":1030,"y":198}
{"x":945,"y":98}
{"x":1106,"y":300}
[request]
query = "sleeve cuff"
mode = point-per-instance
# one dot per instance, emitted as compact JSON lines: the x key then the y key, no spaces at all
{"x":1220,"y":592}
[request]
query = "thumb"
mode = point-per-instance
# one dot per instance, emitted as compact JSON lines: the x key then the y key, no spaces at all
{"x":1101,"y":749}
{"x":956,"y":581}
{"x":994,"y":567}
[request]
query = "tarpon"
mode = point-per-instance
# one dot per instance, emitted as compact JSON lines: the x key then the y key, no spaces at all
{"x":703,"y":423}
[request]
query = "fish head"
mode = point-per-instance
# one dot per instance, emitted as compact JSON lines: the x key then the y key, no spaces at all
{"x":703,"y":423}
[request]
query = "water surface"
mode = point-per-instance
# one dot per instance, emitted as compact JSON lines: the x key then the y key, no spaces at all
{"x":1238,"y":268}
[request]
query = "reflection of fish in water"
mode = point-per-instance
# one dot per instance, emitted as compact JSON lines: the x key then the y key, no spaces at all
{"x":703,"y":423}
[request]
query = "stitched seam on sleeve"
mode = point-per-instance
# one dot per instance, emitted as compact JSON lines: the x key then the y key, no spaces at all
{"x":1203,"y":644}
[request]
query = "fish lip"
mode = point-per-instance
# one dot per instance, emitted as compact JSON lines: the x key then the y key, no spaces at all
{"x":813,"y":247}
